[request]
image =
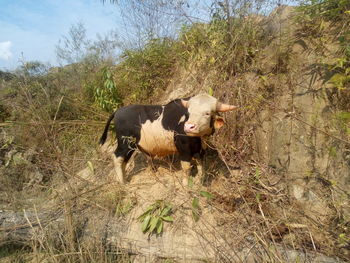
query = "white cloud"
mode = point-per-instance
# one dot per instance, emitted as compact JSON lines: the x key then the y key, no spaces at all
{"x":5,"y":50}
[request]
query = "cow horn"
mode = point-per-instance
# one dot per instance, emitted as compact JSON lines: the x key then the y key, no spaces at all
{"x":184,"y":103}
{"x":225,"y":107}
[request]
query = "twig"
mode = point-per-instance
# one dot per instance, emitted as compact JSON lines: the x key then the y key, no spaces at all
{"x":269,"y":228}
{"x":312,"y":240}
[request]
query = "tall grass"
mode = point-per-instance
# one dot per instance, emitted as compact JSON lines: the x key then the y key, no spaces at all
{"x":56,"y":115}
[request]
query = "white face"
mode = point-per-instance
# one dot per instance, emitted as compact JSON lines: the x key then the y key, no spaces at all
{"x":201,"y":109}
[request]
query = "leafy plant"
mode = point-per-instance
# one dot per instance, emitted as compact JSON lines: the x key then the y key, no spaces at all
{"x":107,"y":96}
{"x":124,"y":207}
{"x":154,"y":217}
{"x":196,"y":209}
{"x":327,"y":9}
{"x":227,"y":45}
{"x":207,"y":195}
{"x":315,"y":15}
{"x":144,"y":71}
{"x":343,"y":239}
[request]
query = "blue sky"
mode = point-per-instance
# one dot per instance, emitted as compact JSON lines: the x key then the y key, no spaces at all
{"x":30,"y":29}
{"x":34,"y":27}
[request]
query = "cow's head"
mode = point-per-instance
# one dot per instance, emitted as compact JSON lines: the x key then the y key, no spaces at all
{"x":202,"y":111}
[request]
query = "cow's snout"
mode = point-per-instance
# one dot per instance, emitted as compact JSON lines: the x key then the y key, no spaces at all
{"x":189,"y":127}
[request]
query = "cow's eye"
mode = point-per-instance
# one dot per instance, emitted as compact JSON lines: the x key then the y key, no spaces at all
{"x":207,"y":114}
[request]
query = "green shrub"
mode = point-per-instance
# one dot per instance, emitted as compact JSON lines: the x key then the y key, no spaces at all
{"x":330,"y":10}
{"x":101,"y":89}
{"x":225,"y":45}
{"x":154,"y":217}
{"x":321,"y":17}
{"x":143,"y":71}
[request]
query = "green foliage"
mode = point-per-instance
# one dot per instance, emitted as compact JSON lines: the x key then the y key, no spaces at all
{"x":124,"y":207}
{"x":327,"y":9}
{"x":33,"y":68}
{"x":211,"y":92}
{"x":144,"y":71}
{"x":13,"y":253}
{"x":320,"y":16}
{"x":345,"y":116}
{"x":227,"y":45}
{"x":333,"y":151}
{"x":154,"y":217}
{"x":196,"y":209}
{"x":341,"y":79}
{"x":45,"y":110}
{"x":6,"y":76}
{"x":343,"y":240}
{"x":104,"y":90}
{"x":206,"y":194}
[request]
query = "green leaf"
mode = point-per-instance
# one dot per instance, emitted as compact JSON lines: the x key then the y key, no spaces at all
{"x":190,"y":182}
{"x":195,"y":209}
{"x":145,"y":223}
{"x":206,"y":194}
{"x":348,"y":130}
{"x":148,"y":210}
{"x":142,"y":217}
{"x":108,"y":75}
{"x":91,"y":166}
{"x":333,"y":151}
{"x":166,"y":211}
{"x":210,"y":91}
{"x":195,"y":216}
{"x":258,"y":197}
{"x":257,"y":174}
{"x":264,"y":78}
{"x":195,"y":203}
{"x":160,"y":227}
{"x":338,"y":80}
{"x":153,"y":224}
{"x":344,"y":115}
{"x":168,"y":218}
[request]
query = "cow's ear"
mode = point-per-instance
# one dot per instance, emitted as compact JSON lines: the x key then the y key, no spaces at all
{"x":218,"y":122}
{"x":184,"y":103}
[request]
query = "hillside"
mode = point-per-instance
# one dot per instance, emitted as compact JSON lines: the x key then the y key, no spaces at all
{"x":277,"y":185}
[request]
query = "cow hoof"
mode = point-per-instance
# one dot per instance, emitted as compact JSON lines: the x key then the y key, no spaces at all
{"x":185,"y":181}
{"x":118,"y":180}
{"x":197,"y":180}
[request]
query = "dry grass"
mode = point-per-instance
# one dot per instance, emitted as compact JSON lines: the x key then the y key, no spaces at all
{"x":254,"y":208}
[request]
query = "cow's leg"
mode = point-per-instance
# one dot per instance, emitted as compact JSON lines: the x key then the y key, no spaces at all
{"x":200,"y":168}
{"x":121,"y":156}
{"x":186,"y":168}
{"x":150,"y":162}
{"x":119,"y":168}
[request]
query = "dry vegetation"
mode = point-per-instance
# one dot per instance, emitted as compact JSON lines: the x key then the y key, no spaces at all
{"x":277,"y":181}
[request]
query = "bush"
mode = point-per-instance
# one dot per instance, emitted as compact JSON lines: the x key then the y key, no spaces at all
{"x":321,"y":16}
{"x":144,"y":71}
{"x":225,"y":45}
{"x":101,"y":89}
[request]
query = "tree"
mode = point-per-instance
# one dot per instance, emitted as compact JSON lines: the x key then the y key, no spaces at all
{"x":76,"y":47}
{"x":72,"y":48}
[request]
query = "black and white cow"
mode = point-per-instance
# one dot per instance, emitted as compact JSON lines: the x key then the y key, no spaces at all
{"x":160,"y":130}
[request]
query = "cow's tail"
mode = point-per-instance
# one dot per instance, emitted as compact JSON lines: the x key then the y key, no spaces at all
{"x":105,"y":132}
